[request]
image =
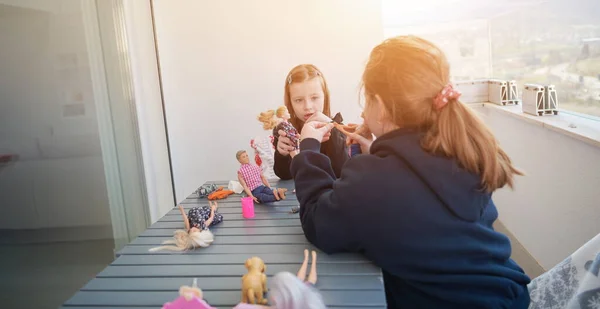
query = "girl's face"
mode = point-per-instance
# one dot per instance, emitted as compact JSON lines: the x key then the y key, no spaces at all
{"x":307,"y":98}
{"x":194,"y":229}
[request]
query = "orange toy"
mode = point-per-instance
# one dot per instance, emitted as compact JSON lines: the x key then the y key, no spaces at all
{"x":220,"y":194}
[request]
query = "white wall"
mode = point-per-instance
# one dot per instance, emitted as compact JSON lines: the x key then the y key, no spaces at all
{"x":555,"y":209}
{"x":223,"y":62}
{"x":58,"y":180}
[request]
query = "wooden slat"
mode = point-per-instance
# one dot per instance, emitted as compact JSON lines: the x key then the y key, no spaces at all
{"x":173,"y":225}
{"x":324,"y":283}
{"x":233,"y":259}
{"x":238,"y":210}
{"x":137,"y":271}
{"x":233,"y":231}
{"x":259,"y":216}
{"x":214,"y":298}
{"x":236,"y":201}
{"x":217,"y":248}
{"x":233,"y":240}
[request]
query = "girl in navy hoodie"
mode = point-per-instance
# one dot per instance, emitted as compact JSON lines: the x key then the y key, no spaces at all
{"x":418,"y":201}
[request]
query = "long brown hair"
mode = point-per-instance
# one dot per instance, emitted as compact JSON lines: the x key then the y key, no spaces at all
{"x":407,"y":73}
{"x":299,"y":74}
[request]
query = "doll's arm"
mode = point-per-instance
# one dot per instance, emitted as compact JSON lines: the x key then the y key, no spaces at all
{"x":264,"y":180}
{"x":185,"y":218}
{"x":243,"y":182}
{"x":210,"y":219}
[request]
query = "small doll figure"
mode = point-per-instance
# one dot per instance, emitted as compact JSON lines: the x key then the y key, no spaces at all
{"x":254,"y":182}
{"x":279,"y":120}
{"x":360,"y":129}
{"x":189,"y":298}
{"x":196,"y":233}
{"x":289,"y":291}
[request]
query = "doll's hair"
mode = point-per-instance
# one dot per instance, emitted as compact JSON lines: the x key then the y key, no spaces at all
{"x":289,"y":292}
{"x":183,"y":240}
{"x":239,"y":154}
{"x":271,"y":118}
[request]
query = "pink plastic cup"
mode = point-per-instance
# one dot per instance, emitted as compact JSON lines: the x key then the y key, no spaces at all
{"x":247,"y":207}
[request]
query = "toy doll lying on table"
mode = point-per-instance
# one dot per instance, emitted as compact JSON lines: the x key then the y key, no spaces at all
{"x":196,"y":233}
{"x":289,"y":291}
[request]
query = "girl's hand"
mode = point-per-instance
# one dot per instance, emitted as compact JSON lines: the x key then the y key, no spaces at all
{"x":319,"y":117}
{"x":316,"y":130}
{"x":284,"y":144}
{"x":364,"y":142}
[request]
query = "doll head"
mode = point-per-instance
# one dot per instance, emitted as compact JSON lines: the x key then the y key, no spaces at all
{"x":242,"y":157}
{"x":186,"y":240}
{"x":283,"y":113}
{"x":271,"y":118}
{"x":289,"y":292}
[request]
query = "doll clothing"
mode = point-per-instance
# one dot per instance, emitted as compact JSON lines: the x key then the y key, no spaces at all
{"x":198,"y":216}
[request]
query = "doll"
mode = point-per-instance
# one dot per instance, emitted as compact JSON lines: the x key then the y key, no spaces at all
{"x":196,"y":233}
{"x":289,"y":291}
{"x":189,"y":298}
{"x":254,"y":182}
{"x":279,"y":120}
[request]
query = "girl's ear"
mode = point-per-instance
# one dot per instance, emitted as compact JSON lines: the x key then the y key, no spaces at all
{"x":382,"y":111}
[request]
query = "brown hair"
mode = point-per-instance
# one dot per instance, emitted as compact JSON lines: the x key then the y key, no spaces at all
{"x":407,"y":73}
{"x":268,"y":120}
{"x":299,"y":74}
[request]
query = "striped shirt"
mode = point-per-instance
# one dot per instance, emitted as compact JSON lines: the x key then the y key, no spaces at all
{"x":251,"y":175}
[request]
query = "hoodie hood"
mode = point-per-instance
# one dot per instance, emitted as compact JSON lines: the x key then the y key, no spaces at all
{"x":446,"y":179}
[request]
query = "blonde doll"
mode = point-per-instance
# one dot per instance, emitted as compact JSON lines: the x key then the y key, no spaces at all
{"x":279,"y":120}
{"x":196,"y":233}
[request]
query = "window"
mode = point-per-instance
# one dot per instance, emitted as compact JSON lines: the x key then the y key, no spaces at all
{"x":531,"y":41}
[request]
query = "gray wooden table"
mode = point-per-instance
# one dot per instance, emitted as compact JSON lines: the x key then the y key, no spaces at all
{"x":141,"y":279}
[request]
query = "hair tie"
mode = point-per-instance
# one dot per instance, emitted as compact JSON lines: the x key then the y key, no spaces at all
{"x":447,"y":94}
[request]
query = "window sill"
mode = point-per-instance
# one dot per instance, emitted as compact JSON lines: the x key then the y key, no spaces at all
{"x":584,"y":129}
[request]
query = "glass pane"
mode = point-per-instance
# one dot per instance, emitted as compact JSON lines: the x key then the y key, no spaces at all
{"x":56,"y":189}
{"x":553,"y":42}
{"x":464,"y":39}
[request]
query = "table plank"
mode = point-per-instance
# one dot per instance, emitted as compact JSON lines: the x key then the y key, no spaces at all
{"x":233,"y":259}
{"x":233,"y":202}
{"x":173,"y":225}
{"x":144,"y":271}
{"x":361,"y":298}
{"x":324,"y":283}
{"x":223,"y":249}
{"x":259,"y":216}
{"x":232,"y":231}
{"x":142,"y":279}
{"x":232,"y":240}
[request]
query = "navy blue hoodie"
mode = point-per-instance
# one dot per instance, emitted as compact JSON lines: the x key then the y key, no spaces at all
{"x":420,"y":217}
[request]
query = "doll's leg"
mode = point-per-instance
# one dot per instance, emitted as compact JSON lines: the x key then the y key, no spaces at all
{"x":312,"y":277}
{"x":264,"y":194}
{"x":302,"y":271}
{"x":281,"y":192}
